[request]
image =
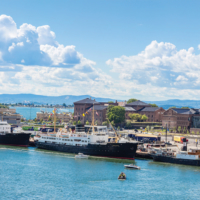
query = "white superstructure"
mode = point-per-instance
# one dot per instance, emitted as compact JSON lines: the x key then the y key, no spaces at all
{"x":74,"y":139}
{"x":5,"y":127}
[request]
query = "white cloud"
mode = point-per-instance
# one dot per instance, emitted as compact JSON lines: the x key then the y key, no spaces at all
{"x":163,"y":59}
{"x":36,"y":46}
{"x":31,"y":60}
{"x":46,"y":36}
{"x":181,"y":78}
{"x":8,"y":28}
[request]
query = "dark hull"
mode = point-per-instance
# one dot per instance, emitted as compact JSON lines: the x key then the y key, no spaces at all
{"x":15,"y":139}
{"x":112,"y":150}
{"x":176,"y":160}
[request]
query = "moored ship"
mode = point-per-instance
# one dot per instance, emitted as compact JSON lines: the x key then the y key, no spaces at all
{"x":192,"y":157}
{"x":14,"y":139}
{"x":94,"y":144}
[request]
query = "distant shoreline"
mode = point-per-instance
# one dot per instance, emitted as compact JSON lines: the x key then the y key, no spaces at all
{"x":61,"y":107}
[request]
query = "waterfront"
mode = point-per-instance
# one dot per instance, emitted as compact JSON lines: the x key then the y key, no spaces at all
{"x":30,"y":112}
{"x":30,"y":173}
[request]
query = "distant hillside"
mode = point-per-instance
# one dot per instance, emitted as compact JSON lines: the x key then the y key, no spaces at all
{"x":40,"y":99}
{"x":70,"y":99}
{"x":178,"y":103}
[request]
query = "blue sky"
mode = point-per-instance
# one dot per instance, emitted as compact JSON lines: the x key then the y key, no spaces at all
{"x":108,"y":48}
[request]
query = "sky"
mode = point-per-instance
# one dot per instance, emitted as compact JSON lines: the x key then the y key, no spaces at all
{"x":120,"y":49}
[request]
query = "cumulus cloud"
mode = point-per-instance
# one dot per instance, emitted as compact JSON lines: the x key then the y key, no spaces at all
{"x":160,"y":64}
{"x":31,"y":60}
{"x":32,"y":45}
{"x":181,"y":78}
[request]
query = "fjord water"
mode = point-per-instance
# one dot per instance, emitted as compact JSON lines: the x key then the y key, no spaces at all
{"x":31,"y":112}
{"x":30,"y":173}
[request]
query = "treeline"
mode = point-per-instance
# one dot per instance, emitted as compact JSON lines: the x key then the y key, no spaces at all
{"x":138,"y":117}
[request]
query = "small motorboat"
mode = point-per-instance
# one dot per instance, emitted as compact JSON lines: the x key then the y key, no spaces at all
{"x":122,"y":176}
{"x":81,"y":155}
{"x":131,"y":166}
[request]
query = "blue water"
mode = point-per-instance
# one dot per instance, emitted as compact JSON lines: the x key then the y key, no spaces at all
{"x":38,"y":174}
{"x":30,"y":113}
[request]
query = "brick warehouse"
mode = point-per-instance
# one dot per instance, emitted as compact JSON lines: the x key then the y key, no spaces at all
{"x":86,"y":105}
{"x":154,"y":114}
{"x":175,"y":117}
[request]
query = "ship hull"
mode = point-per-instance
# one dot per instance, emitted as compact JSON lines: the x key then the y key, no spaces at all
{"x":112,"y":150}
{"x":15,"y":139}
{"x":173,"y":160}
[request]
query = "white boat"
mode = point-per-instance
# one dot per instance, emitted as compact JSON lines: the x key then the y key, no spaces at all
{"x":131,"y":166}
{"x":81,"y":155}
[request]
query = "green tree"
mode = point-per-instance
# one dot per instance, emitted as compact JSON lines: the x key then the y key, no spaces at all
{"x":74,"y":123}
{"x":197,"y":133}
{"x":179,"y":129}
{"x":118,"y":128}
{"x":3,"y":106}
{"x":153,"y":105}
{"x":174,"y":129}
{"x":79,"y":122}
{"x":147,"y":128}
{"x":116,"y":114}
{"x":135,"y":116}
{"x":173,"y":107}
{"x":144,"y":117}
{"x":185,"y":107}
{"x":193,"y":132}
{"x":87,"y":123}
{"x":64,"y":105}
{"x":96,"y":122}
{"x":184,"y":129}
{"x":128,"y":124}
{"x":110,"y":102}
{"x":131,"y":100}
{"x":188,"y":132}
{"x":105,"y":123}
{"x":41,"y":121}
{"x":113,"y":123}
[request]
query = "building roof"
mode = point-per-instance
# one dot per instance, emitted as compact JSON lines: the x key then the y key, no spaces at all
{"x":87,"y":100}
{"x":138,"y":103}
{"x":185,"y":111}
{"x":97,"y":107}
{"x":149,"y":109}
{"x":129,"y":109}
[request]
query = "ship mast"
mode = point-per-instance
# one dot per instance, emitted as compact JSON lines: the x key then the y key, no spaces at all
{"x":54,"y":111}
{"x":93,"y":119}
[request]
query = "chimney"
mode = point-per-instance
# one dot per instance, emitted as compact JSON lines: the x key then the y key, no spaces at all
{"x":116,"y":101}
{"x":90,"y":97}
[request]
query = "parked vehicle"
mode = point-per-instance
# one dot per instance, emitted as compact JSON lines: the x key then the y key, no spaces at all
{"x":179,"y":139}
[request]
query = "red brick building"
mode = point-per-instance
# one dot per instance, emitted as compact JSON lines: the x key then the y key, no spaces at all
{"x":80,"y":107}
{"x":137,"y":105}
{"x":129,"y":110}
{"x":86,"y":105}
{"x":178,"y":117}
{"x":154,"y":114}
